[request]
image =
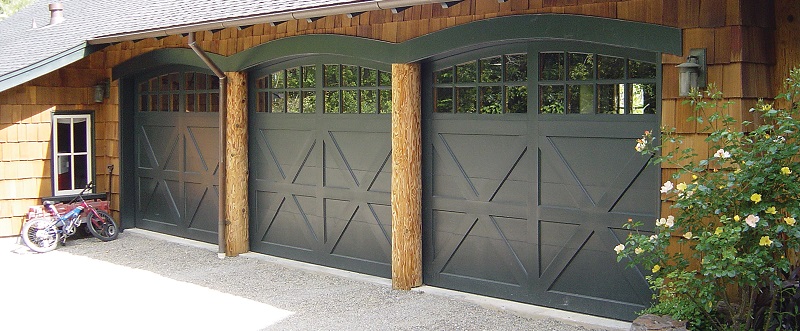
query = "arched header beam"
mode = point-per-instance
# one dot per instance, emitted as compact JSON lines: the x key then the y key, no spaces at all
{"x":604,"y":31}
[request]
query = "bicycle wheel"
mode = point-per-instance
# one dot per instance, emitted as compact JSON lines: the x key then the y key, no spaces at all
{"x":102,"y":228}
{"x":40,"y":235}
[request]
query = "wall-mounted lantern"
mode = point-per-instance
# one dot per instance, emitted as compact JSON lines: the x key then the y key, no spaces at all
{"x":692,"y":73}
{"x":101,"y":91}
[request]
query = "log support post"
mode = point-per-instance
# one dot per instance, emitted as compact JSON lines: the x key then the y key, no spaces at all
{"x":236,"y":160}
{"x":406,"y":176}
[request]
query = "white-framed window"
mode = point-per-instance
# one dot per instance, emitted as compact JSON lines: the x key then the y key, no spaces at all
{"x":73,"y":153}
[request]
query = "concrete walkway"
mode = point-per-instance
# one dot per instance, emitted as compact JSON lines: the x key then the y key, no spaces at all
{"x":149,"y":281}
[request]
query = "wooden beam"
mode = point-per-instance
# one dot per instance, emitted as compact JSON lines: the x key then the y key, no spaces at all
{"x":236,"y":190}
{"x":406,"y":176}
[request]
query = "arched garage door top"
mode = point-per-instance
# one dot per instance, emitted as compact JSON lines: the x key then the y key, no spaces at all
{"x":604,"y":31}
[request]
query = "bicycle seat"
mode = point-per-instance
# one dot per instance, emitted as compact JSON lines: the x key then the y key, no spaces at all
{"x":48,"y":203}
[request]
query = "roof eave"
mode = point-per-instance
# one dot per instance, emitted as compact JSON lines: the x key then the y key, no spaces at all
{"x":339,"y":9}
{"x":43,"y":67}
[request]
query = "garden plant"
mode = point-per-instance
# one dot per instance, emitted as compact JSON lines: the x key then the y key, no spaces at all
{"x":724,"y":257}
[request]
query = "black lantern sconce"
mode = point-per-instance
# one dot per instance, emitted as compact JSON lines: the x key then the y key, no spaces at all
{"x":692,"y":73}
{"x":101,"y":91}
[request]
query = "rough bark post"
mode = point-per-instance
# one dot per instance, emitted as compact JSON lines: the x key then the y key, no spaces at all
{"x":236,"y":236}
{"x":406,"y":176}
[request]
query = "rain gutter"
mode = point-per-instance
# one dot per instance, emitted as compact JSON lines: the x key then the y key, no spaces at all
{"x":354,"y":8}
{"x":223,"y":127}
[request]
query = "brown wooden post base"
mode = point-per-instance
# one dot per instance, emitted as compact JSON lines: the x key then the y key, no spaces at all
{"x":406,"y":176}
{"x":236,"y":231}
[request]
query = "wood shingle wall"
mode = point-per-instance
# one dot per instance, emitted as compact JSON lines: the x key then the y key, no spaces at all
{"x":25,"y":134}
{"x":747,"y":60}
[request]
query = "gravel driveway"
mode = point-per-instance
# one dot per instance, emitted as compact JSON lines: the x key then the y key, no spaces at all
{"x":146,"y":281}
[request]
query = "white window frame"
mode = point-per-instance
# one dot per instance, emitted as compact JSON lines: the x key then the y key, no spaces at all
{"x":58,"y":168}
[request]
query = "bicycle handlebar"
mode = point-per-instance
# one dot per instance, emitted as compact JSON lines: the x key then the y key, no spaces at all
{"x":80,"y":195}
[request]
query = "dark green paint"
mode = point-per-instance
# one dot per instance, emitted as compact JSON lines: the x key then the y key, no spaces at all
{"x":127,"y":183}
{"x":478,"y":34}
{"x":527,"y":206}
{"x":175,"y":163}
{"x":319,"y":182}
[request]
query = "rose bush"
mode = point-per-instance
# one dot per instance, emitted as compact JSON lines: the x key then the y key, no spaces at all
{"x":729,"y":241}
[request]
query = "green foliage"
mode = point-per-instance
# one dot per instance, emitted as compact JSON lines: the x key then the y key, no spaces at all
{"x":9,"y":7}
{"x":736,"y":211}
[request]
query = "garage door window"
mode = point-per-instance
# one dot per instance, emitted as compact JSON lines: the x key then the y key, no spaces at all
{"x":587,"y":83}
{"x":354,"y":89}
{"x":290,"y":90}
{"x":177,"y":91}
{"x":491,"y":85}
{"x":345,"y":89}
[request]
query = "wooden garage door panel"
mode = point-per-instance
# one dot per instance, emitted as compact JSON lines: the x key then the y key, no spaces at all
{"x":201,"y":202}
{"x":465,"y":240}
{"x":359,"y":233}
{"x":177,"y":163}
{"x":285,"y":156}
{"x":293,"y":222}
{"x":201,"y":154}
{"x":590,"y":185}
{"x":570,"y":166}
{"x":481,"y":185}
{"x":611,"y":283}
{"x":157,"y":201}
{"x":351,"y":160}
{"x":480,"y":167}
{"x":321,"y":190}
{"x":158,"y":146}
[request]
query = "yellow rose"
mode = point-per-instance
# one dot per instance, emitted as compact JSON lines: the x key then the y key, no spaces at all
{"x":789,"y":220}
{"x":681,"y":187}
{"x":688,"y":235}
{"x":755,"y":198}
{"x":737,"y":218}
{"x":694,"y":177}
{"x":786,"y":170}
{"x":718,"y":231}
{"x":771,"y":210}
{"x":656,"y":268}
{"x":638,"y":250}
{"x":765,"y":241}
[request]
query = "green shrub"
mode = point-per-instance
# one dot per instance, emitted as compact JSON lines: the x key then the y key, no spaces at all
{"x":736,"y":211}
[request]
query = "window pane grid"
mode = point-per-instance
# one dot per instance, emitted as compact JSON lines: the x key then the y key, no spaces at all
{"x":587,"y":83}
{"x":490,"y":85}
{"x":72,"y":150}
{"x":356,"y":90}
{"x":345,"y":89}
{"x":288,"y":90}
{"x":174,"y":92}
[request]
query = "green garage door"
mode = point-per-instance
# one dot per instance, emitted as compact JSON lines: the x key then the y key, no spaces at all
{"x":177,"y":154}
{"x":530,"y":173}
{"x":320,"y":163}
